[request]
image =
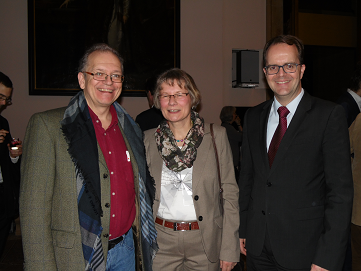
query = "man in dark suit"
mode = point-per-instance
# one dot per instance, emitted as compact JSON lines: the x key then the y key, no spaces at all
{"x":351,"y":99}
{"x":9,"y":167}
{"x":150,"y":118}
{"x":295,"y":189}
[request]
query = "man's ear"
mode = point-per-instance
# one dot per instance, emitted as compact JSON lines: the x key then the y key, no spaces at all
{"x":81,"y":80}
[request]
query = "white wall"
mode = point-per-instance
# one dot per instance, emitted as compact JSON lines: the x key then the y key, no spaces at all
{"x":209,"y":31}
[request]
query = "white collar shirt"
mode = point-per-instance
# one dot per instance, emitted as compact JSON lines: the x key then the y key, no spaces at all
{"x":273,"y":118}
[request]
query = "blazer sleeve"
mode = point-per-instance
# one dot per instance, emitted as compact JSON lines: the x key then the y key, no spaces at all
{"x":339,"y":192}
{"x":230,"y":250}
{"x":36,"y":191}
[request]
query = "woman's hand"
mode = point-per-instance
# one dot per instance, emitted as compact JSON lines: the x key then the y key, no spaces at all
{"x":227,"y":266}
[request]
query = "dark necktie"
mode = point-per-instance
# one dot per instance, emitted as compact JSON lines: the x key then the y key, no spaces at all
{"x":278,"y":135}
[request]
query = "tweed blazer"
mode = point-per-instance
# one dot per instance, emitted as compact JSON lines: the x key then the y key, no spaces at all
{"x":48,"y":198}
{"x":219,"y":234}
{"x":355,"y":145}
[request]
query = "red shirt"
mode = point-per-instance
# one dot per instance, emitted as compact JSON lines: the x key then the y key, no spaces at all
{"x":122,"y":193}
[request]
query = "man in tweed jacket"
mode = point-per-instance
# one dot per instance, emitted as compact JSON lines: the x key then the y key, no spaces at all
{"x":83,"y":195}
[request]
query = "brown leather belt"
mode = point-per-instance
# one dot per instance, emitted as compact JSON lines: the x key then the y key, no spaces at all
{"x":178,"y":226}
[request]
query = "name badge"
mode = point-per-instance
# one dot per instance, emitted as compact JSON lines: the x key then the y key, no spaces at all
{"x":128,"y":156}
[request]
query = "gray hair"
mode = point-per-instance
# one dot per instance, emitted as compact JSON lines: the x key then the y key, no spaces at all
{"x":227,"y":113}
{"x":101,"y":47}
{"x":183,"y":80}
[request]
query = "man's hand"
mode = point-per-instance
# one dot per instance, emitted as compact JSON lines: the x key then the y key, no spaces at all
{"x":2,"y":135}
{"x":317,"y":268}
{"x":18,"y":152}
{"x":242,"y":243}
{"x":227,"y":266}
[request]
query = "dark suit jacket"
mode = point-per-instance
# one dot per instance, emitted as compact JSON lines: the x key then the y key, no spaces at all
{"x":304,"y":201}
{"x":10,"y":173}
{"x":149,"y":119}
{"x":351,"y":108}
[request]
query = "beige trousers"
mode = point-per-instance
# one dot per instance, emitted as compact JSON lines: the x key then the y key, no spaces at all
{"x":181,"y":251}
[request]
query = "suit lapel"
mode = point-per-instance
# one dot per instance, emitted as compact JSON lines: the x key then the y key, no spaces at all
{"x":202,"y":154}
{"x":292,"y":130}
{"x":263,"y":133}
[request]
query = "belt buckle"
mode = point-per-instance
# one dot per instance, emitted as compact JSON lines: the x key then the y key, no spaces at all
{"x":175,"y":226}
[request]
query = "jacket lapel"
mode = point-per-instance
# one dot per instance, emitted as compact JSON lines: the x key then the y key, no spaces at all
{"x":292,"y":130}
{"x":200,"y":163}
{"x":263,"y":133}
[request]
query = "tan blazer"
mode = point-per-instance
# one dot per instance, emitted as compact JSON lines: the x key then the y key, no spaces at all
{"x":355,"y":144}
{"x":220,"y":237}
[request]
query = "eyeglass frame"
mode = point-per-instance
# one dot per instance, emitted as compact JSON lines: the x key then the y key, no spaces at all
{"x":174,"y":96}
{"x":281,"y":66}
{"x":111,"y":78}
{"x":8,"y":100}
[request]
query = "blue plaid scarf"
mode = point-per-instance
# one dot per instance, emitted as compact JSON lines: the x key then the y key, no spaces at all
{"x":80,"y":135}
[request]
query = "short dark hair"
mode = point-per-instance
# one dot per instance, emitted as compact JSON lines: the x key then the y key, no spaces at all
{"x":151,"y":84}
{"x":227,"y":113}
{"x":287,"y":39}
{"x":183,"y":80}
{"x":5,"y":80}
{"x":101,"y":47}
{"x":355,"y":81}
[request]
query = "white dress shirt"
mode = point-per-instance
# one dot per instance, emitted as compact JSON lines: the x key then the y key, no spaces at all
{"x":273,"y":118}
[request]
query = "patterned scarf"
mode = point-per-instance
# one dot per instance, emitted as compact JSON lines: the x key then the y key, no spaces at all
{"x":175,"y":158}
{"x":80,"y":135}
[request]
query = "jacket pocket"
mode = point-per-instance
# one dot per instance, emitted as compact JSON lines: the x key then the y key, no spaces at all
{"x":63,"y":239}
{"x":219,"y":221}
{"x":310,"y":213}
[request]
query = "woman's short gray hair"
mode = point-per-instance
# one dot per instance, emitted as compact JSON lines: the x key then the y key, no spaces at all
{"x":183,"y":80}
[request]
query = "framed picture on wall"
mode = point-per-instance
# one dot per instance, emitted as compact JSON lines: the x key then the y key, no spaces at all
{"x":145,"y":32}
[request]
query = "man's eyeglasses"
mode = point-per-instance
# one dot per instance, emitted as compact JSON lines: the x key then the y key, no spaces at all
{"x":101,"y":76}
{"x":6,"y":99}
{"x":287,"y":68}
{"x":177,"y":96}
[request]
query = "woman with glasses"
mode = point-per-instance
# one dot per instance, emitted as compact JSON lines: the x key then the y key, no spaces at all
{"x":193,"y":234}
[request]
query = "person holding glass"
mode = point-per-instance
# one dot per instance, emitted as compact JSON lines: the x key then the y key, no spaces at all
{"x":192,"y":232}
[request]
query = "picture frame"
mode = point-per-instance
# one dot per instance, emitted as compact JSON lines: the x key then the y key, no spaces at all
{"x":145,"y":32}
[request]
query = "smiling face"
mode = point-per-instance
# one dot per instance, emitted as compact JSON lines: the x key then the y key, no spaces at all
{"x":100,"y":94}
{"x":175,"y":111}
{"x":285,"y":86}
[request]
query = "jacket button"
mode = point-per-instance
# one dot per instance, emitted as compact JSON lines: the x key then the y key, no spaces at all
{"x":269,"y":184}
{"x":263,"y":212}
{"x":196,"y":197}
{"x":105,"y":175}
{"x":106,"y":235}
{"x":200,"y":218}
{"x":107,"y":205}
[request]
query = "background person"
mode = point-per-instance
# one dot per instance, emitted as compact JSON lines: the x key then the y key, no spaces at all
{"x":351,"y":99}
{"x":228,"y":117}
{"x":192,"y":234}
{"x":151,"y":117}
{"x":9,"y":167}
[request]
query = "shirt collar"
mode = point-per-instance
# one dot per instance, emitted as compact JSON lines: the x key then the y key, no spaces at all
{"x":292,"y":106}
{"x":355,"y":97}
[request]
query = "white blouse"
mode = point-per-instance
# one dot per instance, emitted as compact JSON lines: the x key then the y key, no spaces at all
{"x":176,"y":200}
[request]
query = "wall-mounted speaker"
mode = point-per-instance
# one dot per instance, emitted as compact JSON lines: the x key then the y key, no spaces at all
{"x":246,"y":68}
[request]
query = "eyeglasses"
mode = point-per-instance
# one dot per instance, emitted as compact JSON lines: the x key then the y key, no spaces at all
{"x":101,"y":76}
{"x":6,"y":99}
{"x":177,"y":96}
{"x":287,"y":68}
